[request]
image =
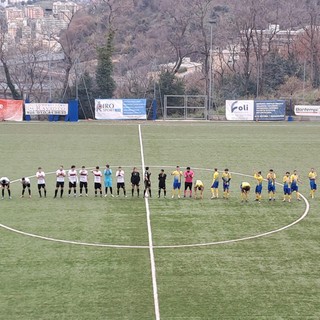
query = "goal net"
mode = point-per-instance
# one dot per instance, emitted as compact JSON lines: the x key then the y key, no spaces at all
{"x":185,"y":107}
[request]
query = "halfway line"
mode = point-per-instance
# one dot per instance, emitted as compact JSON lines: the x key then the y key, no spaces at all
{"x":152,"y":261}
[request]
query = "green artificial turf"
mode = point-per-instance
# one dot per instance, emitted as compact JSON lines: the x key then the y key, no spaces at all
{"x":269,"y":277}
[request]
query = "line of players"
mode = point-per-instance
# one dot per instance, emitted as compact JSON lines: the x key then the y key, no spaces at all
{"x":290,"y":183}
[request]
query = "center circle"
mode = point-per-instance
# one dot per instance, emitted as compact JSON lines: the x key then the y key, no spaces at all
{"x":93,"y":244}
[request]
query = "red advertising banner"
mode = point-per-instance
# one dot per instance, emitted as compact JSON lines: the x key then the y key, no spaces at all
{"x":11,"y":110}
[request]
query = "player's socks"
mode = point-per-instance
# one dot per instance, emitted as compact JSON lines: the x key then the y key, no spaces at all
{"x":9,"y":192}
{"x":132,"y":192}
{"x":61,"y":193}
{"x":55,"y":193}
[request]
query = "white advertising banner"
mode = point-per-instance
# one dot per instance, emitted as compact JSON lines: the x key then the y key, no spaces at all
{"x":33,"y":109}
{"x":120,"y":109}
{"x":240,"y":110}
{"x":307,"y":111}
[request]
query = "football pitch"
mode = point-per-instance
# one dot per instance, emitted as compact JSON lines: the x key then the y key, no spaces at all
{"x":159,"y":258}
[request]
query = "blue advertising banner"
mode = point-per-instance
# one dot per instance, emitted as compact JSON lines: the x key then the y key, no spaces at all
{"x":120,"y":109}
{"x":269,"y":110}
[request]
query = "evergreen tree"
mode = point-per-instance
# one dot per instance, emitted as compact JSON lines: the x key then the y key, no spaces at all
{"x":278,"y":68}
{"x":170,"y":84}
{"x":86,"y":100}
{"x":104,"y":73}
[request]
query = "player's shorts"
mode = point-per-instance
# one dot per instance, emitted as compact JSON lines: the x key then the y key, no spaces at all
{"x":59,"y":184}
{"x":147,"y":184}
{"x":215,"y":185}
{"x":41,"y":185}
{"x":313,"y":185}
{"x":135,"y":184}
{"x":83,"y":184}
{"x":294,"y":187}
{"x":27,"y":185}
{"x":271,"y":188}
{"x":108,"y":183}
{"x":162,"y":186}
{"x":245,"y":189}
{"x":226,"y":186}
{"x":286,"y":189}
{"x":97,"y":185}
{"x":200,"y":187}
{"x":187,"y":185}
{"x":259,"y":188}
{"x":72,"y":184}
{"x":120,"y":185}
{"x":176,"y":185}
{"x":4,"y":185}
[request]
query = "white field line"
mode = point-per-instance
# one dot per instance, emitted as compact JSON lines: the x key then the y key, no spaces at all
{"x":166,"y":246}
{"x":151,"y":252}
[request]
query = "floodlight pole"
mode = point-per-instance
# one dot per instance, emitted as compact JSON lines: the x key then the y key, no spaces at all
{"x":76,"y":76}
{"x":210,"y":69}
{"x":49,"y":67}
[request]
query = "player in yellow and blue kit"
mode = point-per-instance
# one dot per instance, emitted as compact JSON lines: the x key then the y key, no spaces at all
{"x":271,"y":178}
{"x":287,"y":187}
{"x":198,"y":186}
{"x":294,"y":184}
{"x":245,"y":188}
{"x":226,"y":178}
{"x":177,"y":174}
{"x":259,"y":179}
{"x":215,"y":184}
{"x":312,"y":179}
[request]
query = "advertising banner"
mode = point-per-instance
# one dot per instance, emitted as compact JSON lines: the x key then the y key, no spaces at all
{"x":269,"y":110}
{"x":33,"y":109}
{"x":240,"y":110}
{"x":120,"y":109}
{"x":11,"y":110}
{"x":313,"y":111}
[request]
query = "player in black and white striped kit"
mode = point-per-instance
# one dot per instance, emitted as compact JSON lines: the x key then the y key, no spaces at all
{"x":40,"y":175}
{"x":73,"y":180}
{"x":5,"y":184}
{"x":83,"y":174}
{"x":25,"y":185}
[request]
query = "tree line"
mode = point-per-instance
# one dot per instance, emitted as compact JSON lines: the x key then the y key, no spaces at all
{"x":248,"y":49}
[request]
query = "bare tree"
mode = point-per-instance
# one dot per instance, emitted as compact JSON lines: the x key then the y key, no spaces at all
{"x":4,"y":60}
